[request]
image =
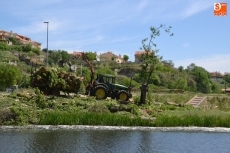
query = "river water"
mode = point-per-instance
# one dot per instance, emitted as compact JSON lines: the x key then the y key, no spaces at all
{"x":104,"y":139}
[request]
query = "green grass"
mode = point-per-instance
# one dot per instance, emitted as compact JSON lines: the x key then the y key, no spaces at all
{"x":196,"y":120}
{"x":87,"y":118}
{"x":167,"y":119}
{"x":200,"y":118}
{"x":22,"y":109}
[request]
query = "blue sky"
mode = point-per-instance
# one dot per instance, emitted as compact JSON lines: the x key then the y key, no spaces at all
{"x":120,"y":26}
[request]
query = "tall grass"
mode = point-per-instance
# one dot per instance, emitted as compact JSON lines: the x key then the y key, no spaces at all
{"x":108,"y":119}
{"x":196,"y":120}
{"x":88,"y":118}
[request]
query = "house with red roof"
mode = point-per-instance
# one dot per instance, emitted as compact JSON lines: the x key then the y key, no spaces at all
{"x":4,"y":36}
{"x":138,"y":55}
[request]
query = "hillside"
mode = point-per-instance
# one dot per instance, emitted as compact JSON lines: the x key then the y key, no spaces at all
{"x":165,"y":76}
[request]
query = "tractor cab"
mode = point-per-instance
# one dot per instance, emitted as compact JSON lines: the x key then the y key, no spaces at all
{"x":109,"y":80}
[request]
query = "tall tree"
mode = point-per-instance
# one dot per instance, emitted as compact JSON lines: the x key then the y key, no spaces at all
{"x":150,"y":58}
{"x":91,"y":56}
{"x":126,"y":58}
{"x":202,"y":78}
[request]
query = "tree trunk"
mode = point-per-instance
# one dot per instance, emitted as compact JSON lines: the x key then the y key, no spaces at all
{"x":144,"y":90}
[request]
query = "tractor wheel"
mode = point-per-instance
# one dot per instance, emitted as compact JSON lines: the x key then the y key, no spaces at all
{"x":100,"y":92}
{"x":123,"y":95}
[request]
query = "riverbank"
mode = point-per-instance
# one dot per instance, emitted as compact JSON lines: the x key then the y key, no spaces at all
{"x":30,"y":107}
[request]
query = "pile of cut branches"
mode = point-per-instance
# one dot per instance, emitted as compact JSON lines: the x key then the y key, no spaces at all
{"x":51,"y":78}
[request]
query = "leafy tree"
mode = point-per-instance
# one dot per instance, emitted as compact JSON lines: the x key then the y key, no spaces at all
{"x":17,"y":48}
{"x":91,"y":56}
{"x":136,"y":78}
{"x":105,"y":70}
{"x":65,"y":56}
{"x":173,"y":80}
{"x":168,"y":63}
{"x":215,"y":88}
{"x":27,"y":48}
{"x":150,"y":58}
{"x":190,"y":67}
{"x":37,"y":51}
{"x":227,"y":78}
{"x":126,"y":81}
{"x":45,"y":50}
{"x":154,"y":79}
{"x":180,"y":83}
{"x":202,"y":78}
{"x":4,"y":47}
{"x":192,"y":85}
{"x":164,"y":68}
{"x":126,"y":58}
{"x":15,"y":41}
{"x":10,"y":75}
{"x":54,"y":57}
{"x":181,"y":68}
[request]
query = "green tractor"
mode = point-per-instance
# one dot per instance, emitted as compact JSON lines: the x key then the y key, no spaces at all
{"x":104,"y":86}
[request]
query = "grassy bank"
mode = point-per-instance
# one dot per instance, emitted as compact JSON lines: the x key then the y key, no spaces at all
{"x":89,"y":118}
{"x":201,"y":118}
{"x":161,"y":110}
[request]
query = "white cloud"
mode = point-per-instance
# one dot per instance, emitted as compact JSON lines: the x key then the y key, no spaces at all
{"x":220,"y":62}
{"x":196,"y":7}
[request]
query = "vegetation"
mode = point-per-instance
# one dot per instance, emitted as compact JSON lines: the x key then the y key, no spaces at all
{"x":85,"y":118}
{"x":165,"y":76}
{"x":56,"y":56}
{"x":17,"y":46}
{"x":126,"y":58}
{"x":195,"y":120}
{"x":30,"y":106}
{"x":51,"y":79}
{"x":10,"y":75}
{"x":150,"y":59}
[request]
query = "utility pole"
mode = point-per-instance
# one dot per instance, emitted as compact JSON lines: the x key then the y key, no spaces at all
{"x":81,"y":67}
{"x":47,"y":50}
{"x":225,"y":83}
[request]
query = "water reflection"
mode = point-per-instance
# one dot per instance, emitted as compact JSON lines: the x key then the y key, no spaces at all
{"x":133,"y":141}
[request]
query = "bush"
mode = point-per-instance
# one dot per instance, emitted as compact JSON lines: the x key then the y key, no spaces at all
{"x":105,"y":70}
{"x":4,"y":47}
{"x":126,"y":81}
{"x":10,"y":75}
{"x":6,"y":116}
